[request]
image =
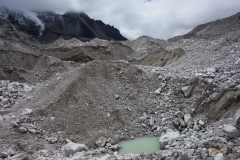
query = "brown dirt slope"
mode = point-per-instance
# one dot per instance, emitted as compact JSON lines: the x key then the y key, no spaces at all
{"x":84,"y":105}
{"x":161,"y":58}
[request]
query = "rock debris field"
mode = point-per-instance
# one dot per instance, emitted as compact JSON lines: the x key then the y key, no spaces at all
{"x":74,"y":100}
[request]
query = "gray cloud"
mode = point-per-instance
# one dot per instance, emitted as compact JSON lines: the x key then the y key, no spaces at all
{"x":161,"y":19}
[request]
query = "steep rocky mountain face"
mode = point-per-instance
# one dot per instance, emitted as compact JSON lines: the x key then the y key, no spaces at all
{"x":76,"y":100}
{"x":47,"y":27}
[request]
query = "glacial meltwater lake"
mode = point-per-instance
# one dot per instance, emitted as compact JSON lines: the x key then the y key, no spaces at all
{"x":138,"y":145}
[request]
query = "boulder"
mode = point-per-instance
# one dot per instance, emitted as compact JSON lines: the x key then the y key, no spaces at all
{"x":188,"y":119}
{"x":33,"y":131}
{"x":181,"y":122}
{"x":187,"y":90}
{"x":3,"y":154}
{"x":219,"y":156}
{"x":195,"y":127}
{"x":190,"y":151}
{"x":163,"y":140}
{"x":101,"y":142}
{"x":236,"y":122}
{"x":52,"y":140}
{"x":231,"y":131}
{"x":201,"y":123}
{"x":179,"y":114}
{"x":14,"y":124}
{"x":183,"y":157}
{"x":5,"y":101}
{"x":115,"y":147}
{"x":71,"y":148}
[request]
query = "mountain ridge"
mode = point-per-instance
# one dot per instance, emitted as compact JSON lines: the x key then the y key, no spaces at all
{"x":47,"y":27}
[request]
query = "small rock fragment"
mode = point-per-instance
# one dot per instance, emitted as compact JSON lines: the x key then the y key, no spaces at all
{"x":158,"y":91}
{"x":14,"y":124}
{"x":201,"y":123}
{"x":187,"y":90}
{"x":26,"y":111}
{"x":151,"y":121}
{"x":68,"y":140}
{"x":211,"y":70}
{"x":108,"y":144}
{"x":52,"y":140}
{"x":195,"y":127}
{"x":190,"y":151}
{"x":22,"y":129}
{"x":116,"y":96}
{"x":236,"y":122}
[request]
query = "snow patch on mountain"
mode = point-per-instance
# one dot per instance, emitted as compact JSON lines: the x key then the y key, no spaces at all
{"x":33,"y":16}
{"x":19,"y":15}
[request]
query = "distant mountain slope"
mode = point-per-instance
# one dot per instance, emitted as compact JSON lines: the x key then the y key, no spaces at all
{"x":229,"y":26}
{"x":47,"y":27}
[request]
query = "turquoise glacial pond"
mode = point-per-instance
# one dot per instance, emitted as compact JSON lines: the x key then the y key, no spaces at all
{"x":138,"y":145}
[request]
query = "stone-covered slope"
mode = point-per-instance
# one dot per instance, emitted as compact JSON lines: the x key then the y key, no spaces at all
{"x":229,"y":26}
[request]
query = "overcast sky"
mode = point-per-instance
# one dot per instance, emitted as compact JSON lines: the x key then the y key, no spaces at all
{"x":161,"y":19}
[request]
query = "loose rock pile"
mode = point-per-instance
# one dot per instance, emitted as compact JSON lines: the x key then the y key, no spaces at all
{"x":81,"y":111}
{"x":11,"y":92}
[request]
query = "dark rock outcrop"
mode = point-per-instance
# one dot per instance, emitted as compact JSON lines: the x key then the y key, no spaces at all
{"x":47,"y":27}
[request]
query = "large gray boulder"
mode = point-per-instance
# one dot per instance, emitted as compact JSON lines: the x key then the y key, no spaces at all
{"x":163,"y":140}
{"x":71,"y":148}
{"x":231,"y":131}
